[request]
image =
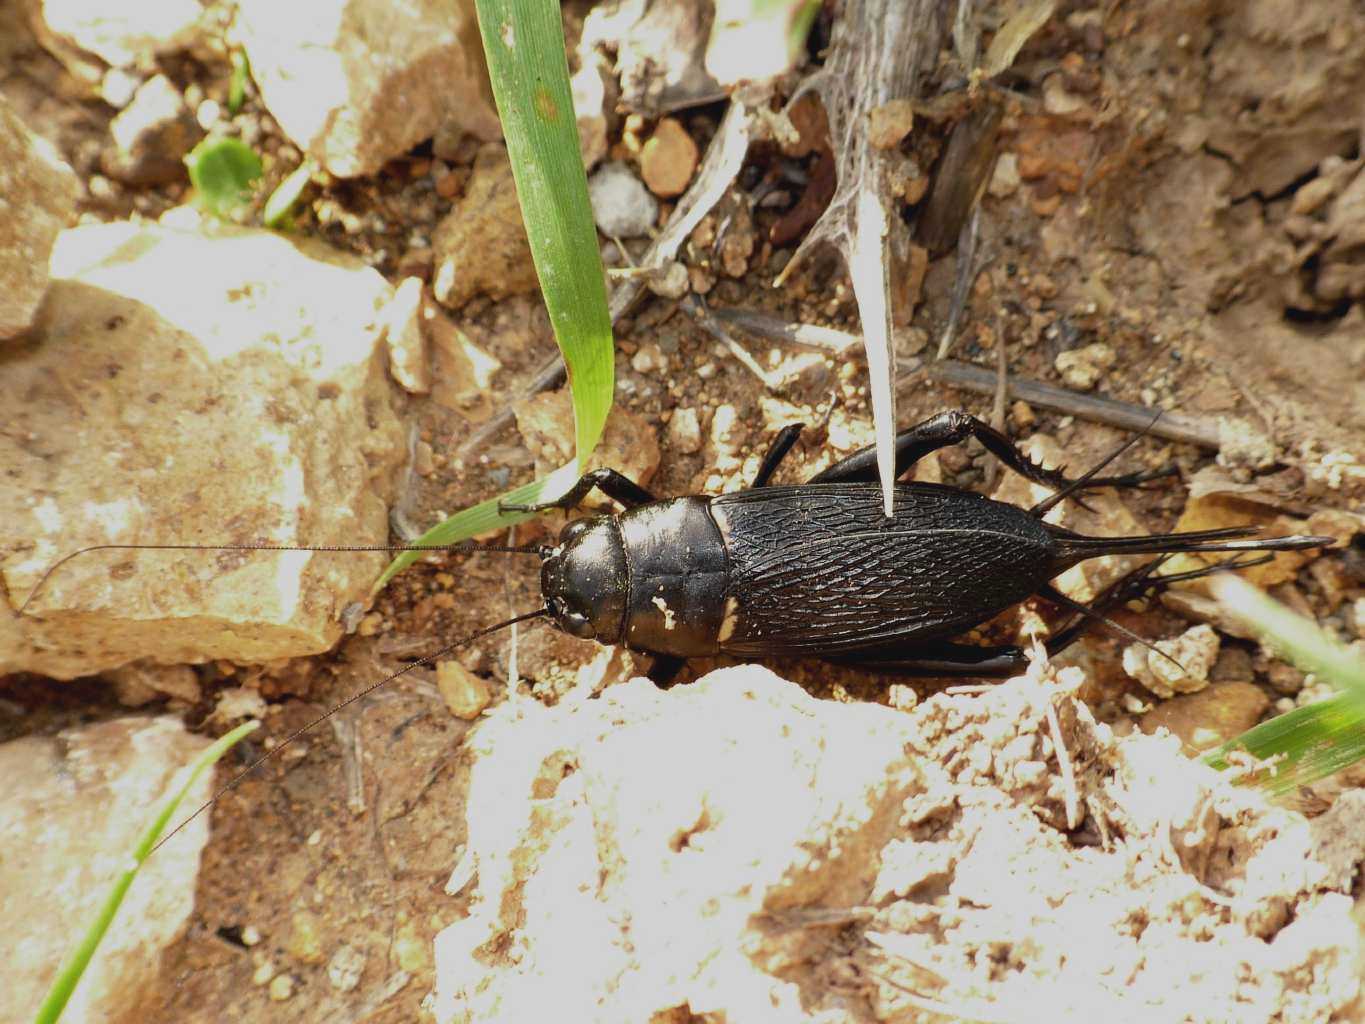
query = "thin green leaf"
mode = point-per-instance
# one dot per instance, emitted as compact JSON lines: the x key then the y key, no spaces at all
{"x":70,"y":974}
{"x":279,"y":208}
{"x":1308,"y":743}
{"x":524,"y":41}
{"x":483,"y":517}
{"x":241,"y":71}
{"x":224,"y":172}
{"x":1301,"y":641}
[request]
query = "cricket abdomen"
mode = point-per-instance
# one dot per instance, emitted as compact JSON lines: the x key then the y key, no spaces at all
{"x":818,"y":569}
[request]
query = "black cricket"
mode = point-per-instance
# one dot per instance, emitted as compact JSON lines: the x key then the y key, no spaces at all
{"x":813,"y":570}
{"x":817,"y":570}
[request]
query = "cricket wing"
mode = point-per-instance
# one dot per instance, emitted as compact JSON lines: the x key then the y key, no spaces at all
{"x":819,"y":570}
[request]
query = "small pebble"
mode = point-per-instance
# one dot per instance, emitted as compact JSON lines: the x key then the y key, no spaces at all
{"x":669,"y":159}
{"x":684,"y":431}
{"x":208,"y":113}
{"x":1083,"y":368}
{"x":465,"y":694}
{"x":423,"y":462}
{"x":305,"y":940}
{"x":281,"y":988}
{"x":648,"y":359}
{"x":118,"y":86}
{"x":621,"y":205}
{"x":1005,"y":180}
{"x":1194,"y":653}
{"x":673,"y":283}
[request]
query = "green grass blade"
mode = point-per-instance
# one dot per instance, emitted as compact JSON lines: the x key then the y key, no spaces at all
{"x":482,"y":517}
{"x":223,"y":172}
{"x":279,"y":208}
{"x":241,"y":71}
{"x":1309,"y":743}
{"x":524,"y":41}
{"x":70,"y":974}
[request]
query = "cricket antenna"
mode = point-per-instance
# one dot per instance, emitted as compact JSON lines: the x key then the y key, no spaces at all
{"x":427,"y":660}
{"x":267,"y":546}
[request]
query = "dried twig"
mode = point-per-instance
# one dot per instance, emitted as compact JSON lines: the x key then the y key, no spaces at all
{"x":1172,"y":426}
{"x":828,"y":340}
{"x":1126,"y":415}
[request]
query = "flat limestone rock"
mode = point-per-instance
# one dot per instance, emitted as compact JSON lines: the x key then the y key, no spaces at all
{"x":37,"y":197}
{"x":121,"y":34}
{"x":735,"y":849}
{"x":187,"y":387}
{"x":72,"y":810}
{"x":358,"y":82}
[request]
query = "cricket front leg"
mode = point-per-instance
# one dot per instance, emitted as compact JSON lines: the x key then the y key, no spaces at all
{"x":611,"y":483}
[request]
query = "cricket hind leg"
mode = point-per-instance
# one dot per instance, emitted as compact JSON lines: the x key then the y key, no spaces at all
{"x":944,"y":659}
{"x":614,"y":485}
{"x":953,"y":427}
{"x":777,"y":451}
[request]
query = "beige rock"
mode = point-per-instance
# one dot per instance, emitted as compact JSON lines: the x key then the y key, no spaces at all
{"x":669,"y":159}
{"x":684,"y":431}
{"x":186,"y":387}
{"x":406,"y":338}
{"x":1083,"y":368}
{"x":358,"y":82}
{"x":589,"y":88}
{"x":889,"y":123}
{"x":465,"y":694}
{"x":151,"y":136}
{"x":72,"y":811}
{"x":121,"y":34}
{"x":1005,"y":177}
{"x":37,"y":197}
{"x":1210,"y":717}
{"x":1178,"y":665}
{"x":659,"y":51}
{"x":480,"y":247}
{"x":305,"y":938}
{"x":462,"y":371}
{"x":346,"y":968}
{"x":739,"y":848}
